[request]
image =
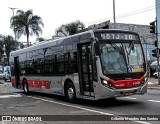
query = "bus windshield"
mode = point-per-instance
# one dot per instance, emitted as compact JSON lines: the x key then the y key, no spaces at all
{"x":121,"y":57}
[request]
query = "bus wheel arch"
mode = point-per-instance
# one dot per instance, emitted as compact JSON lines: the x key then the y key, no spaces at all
{"x":69,"y":90}
{"x":25,"y":86}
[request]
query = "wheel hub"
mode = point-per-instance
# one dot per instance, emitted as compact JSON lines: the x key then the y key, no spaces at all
{"x":70,"y":92}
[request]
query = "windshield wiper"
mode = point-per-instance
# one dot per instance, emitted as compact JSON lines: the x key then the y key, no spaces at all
{"x":121,"y":50}
{"x":126,"y":58}
{"x":117,"y":48}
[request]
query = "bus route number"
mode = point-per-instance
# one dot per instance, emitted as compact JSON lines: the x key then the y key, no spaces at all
{"x":117,"y":36}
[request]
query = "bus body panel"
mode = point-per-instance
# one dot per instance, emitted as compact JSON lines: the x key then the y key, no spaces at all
{"x":55,"y":83}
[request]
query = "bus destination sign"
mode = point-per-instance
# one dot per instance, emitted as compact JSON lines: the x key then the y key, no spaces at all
{"x":116,"y":36}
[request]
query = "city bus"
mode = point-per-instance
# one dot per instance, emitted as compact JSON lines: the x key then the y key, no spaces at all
{"x":95,"y":64}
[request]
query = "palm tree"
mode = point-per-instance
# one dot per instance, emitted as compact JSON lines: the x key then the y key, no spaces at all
{"x":70,"y":28}
{"x":25,"y":23}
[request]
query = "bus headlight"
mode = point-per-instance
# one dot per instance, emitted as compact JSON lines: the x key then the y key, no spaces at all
{"x":106,"y":83}
{"x":144,"y":80}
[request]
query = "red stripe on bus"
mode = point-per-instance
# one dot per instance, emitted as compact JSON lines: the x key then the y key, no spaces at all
{"x":120,"y":84}
{"x":34,"y":84}
{"x":39,"y":84}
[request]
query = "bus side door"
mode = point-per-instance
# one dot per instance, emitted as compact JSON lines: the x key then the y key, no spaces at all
{"x":85,"y":68}
{"x":17,"y":70}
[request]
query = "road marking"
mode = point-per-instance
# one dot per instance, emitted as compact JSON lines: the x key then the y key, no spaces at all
{"x":72,"y":106}
{"x":9,"y":96}
{"x":103,"y":113}
{"x":153,"y":100}
{"x":142,"y":122}
{"x":130,"y":98}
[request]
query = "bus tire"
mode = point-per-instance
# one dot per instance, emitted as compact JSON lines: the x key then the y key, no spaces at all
{"x":70,"y":92}
{"x":25,"y":87}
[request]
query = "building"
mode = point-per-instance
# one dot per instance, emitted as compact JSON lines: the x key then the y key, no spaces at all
{"x":147,"y":38}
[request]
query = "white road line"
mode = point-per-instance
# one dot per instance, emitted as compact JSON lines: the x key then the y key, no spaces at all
{"x":130,"y":98}
{"x":103,"y":113}
{"x":153,"y":100}
{"x":142,"y":122}
{"x":9,"y":96}
{"x":72,"y":106}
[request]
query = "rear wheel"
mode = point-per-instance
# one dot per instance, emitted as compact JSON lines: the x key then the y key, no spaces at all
{"x":70,"y":92}
{"x":25,"y":87}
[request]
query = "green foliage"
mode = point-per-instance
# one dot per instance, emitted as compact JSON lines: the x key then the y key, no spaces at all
{"x":8,"y":44}
{"x":40,"y":39}
{"x":70,"y":28}
{"x":25,"y":23}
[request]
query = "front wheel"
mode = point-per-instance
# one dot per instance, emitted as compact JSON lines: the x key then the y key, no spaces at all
{"x":70,"y":92}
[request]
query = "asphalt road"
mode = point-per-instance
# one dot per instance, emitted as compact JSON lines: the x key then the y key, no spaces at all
{"x":14,"y":102}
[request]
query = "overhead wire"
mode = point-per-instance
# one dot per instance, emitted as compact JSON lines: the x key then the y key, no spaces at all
{"x":150,"y":8}
{"x":126,"y":14}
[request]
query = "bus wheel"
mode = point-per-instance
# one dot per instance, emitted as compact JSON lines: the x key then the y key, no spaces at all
{"x":25,"y":87}
{"x":70,"y":92}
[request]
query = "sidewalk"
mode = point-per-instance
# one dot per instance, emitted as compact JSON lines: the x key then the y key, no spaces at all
{"x":154,"y":86}
{"x":3,"y":88}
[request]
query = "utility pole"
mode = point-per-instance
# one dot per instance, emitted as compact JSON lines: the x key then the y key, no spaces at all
{"x":114,"y":15}
{"x":158,"y":52}
{"x":157,"y":3}
{"x":13,"y":16}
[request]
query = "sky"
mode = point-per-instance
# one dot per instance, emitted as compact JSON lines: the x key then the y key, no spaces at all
{"x":54,"y":13}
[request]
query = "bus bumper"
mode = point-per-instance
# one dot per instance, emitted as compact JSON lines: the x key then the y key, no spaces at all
{"x":130,"y":91}
{"x":109,"y":93}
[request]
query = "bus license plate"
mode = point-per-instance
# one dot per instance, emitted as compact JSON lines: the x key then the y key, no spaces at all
{"x":128,"y":93}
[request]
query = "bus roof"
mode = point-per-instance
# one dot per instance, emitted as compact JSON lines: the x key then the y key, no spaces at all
{"x":53,"y":42}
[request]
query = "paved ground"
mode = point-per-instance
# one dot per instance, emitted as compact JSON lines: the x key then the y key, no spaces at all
{"x":153,"y":84}
{"x":3,"y":88}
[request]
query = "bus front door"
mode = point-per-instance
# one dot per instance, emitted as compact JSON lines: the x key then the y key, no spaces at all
{"x":16,"y":71}
{"x":85,"y":69}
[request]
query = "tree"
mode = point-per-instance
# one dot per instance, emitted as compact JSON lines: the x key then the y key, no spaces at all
{"x":8,"y":44}
{"x":70,"y":28}
{"x":1,"y":47}
{"x":25,"y":23}
{"x":40,"y":39}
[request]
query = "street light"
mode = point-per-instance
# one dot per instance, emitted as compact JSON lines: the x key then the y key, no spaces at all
{"x":13,"y":16}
